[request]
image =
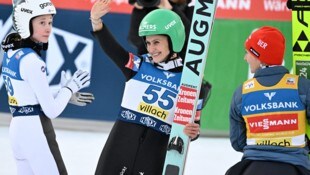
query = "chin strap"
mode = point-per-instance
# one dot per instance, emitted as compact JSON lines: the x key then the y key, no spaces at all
{"x":14,"y":41}
{"x":37,"y":47}
{"x":171,"y":64}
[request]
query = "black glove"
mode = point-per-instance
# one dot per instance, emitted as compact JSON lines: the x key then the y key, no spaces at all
{"x":205,"y":92}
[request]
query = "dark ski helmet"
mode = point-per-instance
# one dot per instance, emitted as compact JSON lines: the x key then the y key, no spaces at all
{"x":164,"y":22}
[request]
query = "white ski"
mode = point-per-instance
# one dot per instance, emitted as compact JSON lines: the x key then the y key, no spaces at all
{"x":195,"y":59}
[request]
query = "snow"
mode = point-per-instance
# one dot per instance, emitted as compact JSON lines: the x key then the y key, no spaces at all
{"x":81,"y":150}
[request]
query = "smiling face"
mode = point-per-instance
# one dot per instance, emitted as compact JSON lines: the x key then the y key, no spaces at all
{"x":158,"y":47}
{"x":252,"y":61}
{"x":42,"y":27}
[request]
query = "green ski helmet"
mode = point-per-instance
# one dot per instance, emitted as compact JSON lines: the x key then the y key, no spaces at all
{"x":164,"y":22}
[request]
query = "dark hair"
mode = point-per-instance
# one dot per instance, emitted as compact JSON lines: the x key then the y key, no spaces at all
{"x":148,"y":3}
{"x":31,"y":27}
{"x":145,"y":3}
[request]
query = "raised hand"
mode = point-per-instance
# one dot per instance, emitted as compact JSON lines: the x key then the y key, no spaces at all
{"x":79,"y":80}
{"x":99,"y":9}
{"x":78,"y":98}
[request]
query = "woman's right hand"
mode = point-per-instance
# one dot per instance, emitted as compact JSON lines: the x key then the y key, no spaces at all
{"x":99,"y":9}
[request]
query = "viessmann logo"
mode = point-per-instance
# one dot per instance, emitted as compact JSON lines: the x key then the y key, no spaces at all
{"x":272,"y":123}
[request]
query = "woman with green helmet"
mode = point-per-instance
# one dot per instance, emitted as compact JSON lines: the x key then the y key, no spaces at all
{"x":138,"y":140}
{"x":169,"y":27}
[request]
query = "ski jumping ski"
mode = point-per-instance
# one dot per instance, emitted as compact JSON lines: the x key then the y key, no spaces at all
{"x":192,"y":74}
{"x":301,"y":40}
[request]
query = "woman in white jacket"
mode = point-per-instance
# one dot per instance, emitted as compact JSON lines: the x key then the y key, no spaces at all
{"x":31,"y":102}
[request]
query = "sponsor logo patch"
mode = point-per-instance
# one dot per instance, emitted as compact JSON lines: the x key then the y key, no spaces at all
{"x":273,"y":123}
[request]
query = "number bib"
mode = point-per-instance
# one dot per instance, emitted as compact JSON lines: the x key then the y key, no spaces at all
{"x":149,"y":97}
{"x":19,"y":92}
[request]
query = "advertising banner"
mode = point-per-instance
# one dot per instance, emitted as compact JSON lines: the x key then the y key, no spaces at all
{"x":274,"y":10}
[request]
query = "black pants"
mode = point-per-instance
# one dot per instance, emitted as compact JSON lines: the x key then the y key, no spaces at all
{"x":255,"y":167}
{"x":50,"y":135}
{"x":133,"y":149}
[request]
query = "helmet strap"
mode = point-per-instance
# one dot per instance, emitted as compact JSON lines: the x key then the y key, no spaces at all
{"x":13,"y":41}
{"x":171,"y":64}
{"x":30,"y":26}
{"x":37,"y":47}
{"x":171,"y":54}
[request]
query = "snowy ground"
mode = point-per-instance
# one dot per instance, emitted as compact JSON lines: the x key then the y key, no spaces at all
{"x":80,"y":150}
